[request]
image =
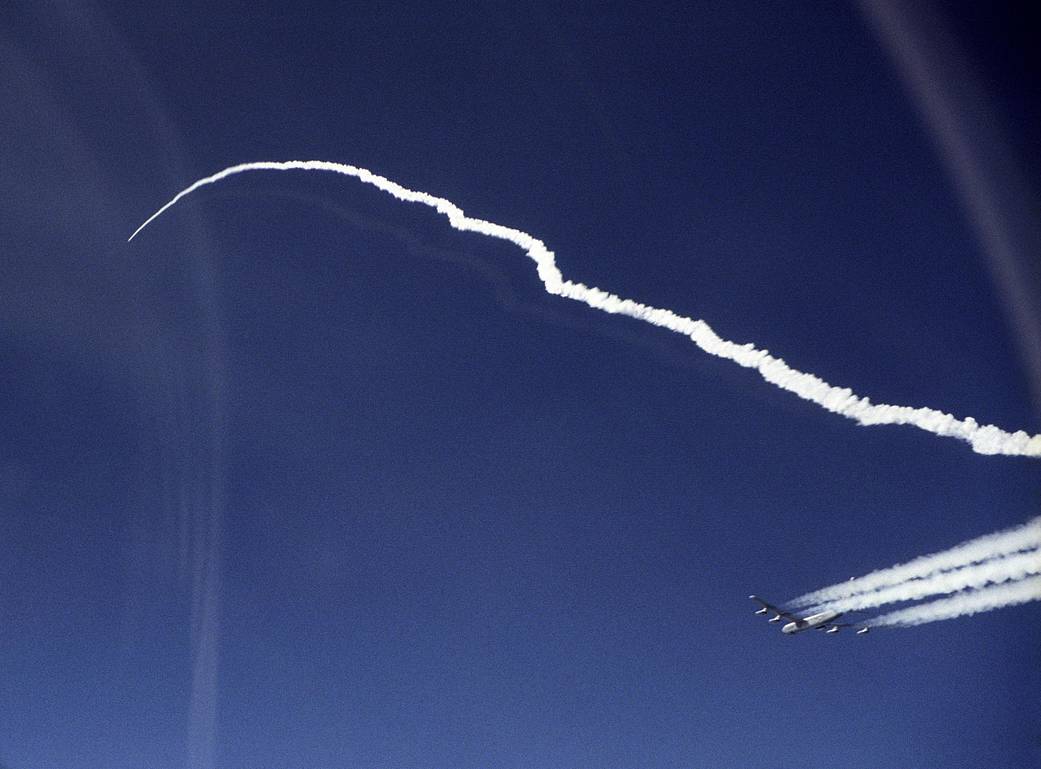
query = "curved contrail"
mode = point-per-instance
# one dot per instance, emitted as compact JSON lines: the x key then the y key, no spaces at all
{"x":984,"y":439}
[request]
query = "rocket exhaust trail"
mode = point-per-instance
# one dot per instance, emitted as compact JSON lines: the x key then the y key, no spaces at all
{"x":984,"y":439}
{"x":1002,"y":543}
{"x":963,"y":604}
{"x":976,"y":576}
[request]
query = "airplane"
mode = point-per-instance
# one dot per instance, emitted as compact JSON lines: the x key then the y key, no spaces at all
{"x":824,"y":620}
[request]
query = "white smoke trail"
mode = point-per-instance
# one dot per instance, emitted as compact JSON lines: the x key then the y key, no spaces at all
{"x":963,"y":604}
{"x":984,"y":439}
{"x":976,"y":576}
{"x":983,"y":548}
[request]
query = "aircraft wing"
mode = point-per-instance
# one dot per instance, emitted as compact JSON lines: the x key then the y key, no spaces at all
{"x":774,"y":609}
{"x":834,"y":627}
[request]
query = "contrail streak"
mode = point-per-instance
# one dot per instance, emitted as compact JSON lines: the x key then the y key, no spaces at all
{"x":964,"y":604}
{"x":984,"y":439}
{"x":976,"y":576}
{"x":1000,"y":203}
{"x":1002,"y":543}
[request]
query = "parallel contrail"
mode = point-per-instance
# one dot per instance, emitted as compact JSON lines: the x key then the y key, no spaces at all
{"x":964,"y":604}
{"x":984,"y":439}
{"x":1002,"y":543}
{"x":975,"y":576}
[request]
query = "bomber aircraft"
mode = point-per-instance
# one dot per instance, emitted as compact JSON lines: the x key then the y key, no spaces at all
{"x":824,"y":620}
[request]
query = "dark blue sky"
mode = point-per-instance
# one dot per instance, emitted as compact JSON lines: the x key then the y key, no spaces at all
{"x":403,"y":509}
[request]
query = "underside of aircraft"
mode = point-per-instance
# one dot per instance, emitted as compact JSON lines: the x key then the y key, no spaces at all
{"x":825,"y":621}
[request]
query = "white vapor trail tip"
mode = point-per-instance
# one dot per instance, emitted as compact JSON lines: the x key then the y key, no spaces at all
{"x":984,"y":439}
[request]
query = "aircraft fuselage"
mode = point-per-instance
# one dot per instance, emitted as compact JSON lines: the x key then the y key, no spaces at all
{"x":808,"y":623}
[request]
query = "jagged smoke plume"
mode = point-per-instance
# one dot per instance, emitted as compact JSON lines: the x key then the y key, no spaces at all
{"x":984,"y":439}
